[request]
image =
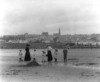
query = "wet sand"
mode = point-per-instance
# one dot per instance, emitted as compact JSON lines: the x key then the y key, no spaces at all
{"x":82,"y":66}
{"x":48,"y":72}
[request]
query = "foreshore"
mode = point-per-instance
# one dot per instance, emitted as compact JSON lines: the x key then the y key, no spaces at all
{"x":54,"y":72}
{"x":82,"y":66}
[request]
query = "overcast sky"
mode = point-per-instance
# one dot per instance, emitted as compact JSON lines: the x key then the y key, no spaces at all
{"x":37,"y":16}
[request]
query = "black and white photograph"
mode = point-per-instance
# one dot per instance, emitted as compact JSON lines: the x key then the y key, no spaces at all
{"x":49,"y":40}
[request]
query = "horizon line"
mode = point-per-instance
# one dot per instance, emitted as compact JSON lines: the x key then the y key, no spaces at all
{"x":50,"y":34}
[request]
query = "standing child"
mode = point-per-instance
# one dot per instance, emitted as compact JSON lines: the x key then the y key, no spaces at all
{"x":43,"y":56}
{"x":34,"y":55}
{"x":20,"y":55}
{"x":55,"y":55}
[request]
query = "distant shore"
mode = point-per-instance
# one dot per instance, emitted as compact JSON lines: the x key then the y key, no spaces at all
{"x":42,"y":46}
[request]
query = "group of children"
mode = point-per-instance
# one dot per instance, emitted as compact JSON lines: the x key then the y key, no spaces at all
{"x":44,"y":57}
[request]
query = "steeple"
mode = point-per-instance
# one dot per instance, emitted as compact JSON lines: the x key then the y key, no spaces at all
{"x":59,"y":32}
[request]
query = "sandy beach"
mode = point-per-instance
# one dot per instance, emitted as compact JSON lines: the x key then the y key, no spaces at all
{"x":61,"y":36}
{"x":14,"y":71}
{"x":49,"y":73}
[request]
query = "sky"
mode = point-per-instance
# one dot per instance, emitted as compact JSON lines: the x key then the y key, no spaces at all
{"x":37,"y":16}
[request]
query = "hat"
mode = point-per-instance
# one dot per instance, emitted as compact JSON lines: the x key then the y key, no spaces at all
{"x":27,"y":45}
{"x":49,"y":48}
{"x":43,"y":51}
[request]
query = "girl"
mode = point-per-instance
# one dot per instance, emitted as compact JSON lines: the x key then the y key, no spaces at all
{"x":43,"y":56}
{"x":20,"y":55}
{"x":34,"y":54}
{"x":55,"y":55}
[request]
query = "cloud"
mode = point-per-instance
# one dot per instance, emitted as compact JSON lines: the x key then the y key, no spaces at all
{"x":35,"y":16}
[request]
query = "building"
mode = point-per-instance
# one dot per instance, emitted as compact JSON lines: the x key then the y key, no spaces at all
{"x":26,"y":35}
{"x":57,"y":34}
{"x":2,"y":41}
{"x":44,"y":34}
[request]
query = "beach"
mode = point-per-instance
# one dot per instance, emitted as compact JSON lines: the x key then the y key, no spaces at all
{"x":79,"y":68}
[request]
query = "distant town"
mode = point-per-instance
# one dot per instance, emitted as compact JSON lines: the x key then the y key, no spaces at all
{"x":45,"y":37}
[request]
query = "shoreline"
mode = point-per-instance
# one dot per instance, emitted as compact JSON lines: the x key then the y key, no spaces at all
{"x":44,"y":46}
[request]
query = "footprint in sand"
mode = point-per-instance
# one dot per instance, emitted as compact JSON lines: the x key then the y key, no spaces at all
{"x":98,"y":73}
{"x":73,"y":59}
{"x":36,"y":73}
{"x":12,"y":72}
{"x":87,"y":74}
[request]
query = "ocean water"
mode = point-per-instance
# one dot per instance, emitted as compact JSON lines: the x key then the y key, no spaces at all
{"x":77,"y":57}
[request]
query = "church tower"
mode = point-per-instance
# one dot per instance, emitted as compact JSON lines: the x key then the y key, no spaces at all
{"x":59,"y":32}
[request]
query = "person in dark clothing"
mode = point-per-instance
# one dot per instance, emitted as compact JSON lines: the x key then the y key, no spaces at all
{"x":65,"y":52}
{"x":49,"y":56}
{"x":27,"y":54}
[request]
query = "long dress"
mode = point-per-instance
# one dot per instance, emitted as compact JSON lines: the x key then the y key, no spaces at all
{"x":27,"y":55}
{"x":49,"y":56}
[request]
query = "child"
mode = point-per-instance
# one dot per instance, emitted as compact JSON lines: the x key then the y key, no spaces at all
{"x":55,"y":55}
{"x":43,"y":56}
{"x":20,"y":55}
{"x":34,"y":55}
